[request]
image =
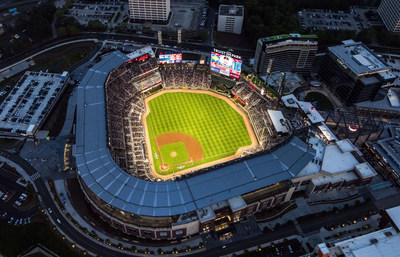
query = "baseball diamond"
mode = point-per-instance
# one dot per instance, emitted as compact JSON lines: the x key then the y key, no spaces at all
{"x":187,"y":129}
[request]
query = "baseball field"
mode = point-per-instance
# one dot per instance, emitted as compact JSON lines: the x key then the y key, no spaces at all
{"x":187,"y":130}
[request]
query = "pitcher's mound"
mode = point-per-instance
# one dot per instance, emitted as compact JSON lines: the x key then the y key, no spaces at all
{"x":173,"y":154}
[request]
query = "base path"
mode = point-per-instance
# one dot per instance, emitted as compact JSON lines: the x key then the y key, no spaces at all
{"x":193,"y":146}
{"x":246,"y":120}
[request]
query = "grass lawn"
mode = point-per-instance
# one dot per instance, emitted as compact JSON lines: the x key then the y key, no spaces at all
{"x":174,"y":153}
{"x":62,"y":58}
{"x":218,"y":128}
{"x":323,"y":102}
{"x":16,"y":239}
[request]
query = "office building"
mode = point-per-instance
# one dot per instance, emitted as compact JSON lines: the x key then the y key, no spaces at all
{"x":389,"y":10}
{"x":156,"y":11}
{"x":354,"y":73}
{"x":289,"y":52}
{"x":230,"y":18}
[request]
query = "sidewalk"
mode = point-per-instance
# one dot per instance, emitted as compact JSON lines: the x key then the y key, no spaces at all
{"x":61,"y":189}
{"x":69,"y":117}
{"x":304,"y":209}
{"x":47,"y":157}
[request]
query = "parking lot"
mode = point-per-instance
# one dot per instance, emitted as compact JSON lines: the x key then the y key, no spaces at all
{"x":186,"y":15}
{"x":326,"y":20}
{"x":105,"y":12}
{"x":13,"y":197}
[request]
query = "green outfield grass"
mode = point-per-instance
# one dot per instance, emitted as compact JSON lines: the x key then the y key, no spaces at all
{"x":218,"y":128}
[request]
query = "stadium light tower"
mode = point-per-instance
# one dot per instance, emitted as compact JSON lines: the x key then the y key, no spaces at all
{"x":179,"y":36}
{"x":159,"y":37}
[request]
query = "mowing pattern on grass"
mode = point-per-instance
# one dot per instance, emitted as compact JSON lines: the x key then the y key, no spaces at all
{"x":218,"y":128}
{"x":174,"y":153}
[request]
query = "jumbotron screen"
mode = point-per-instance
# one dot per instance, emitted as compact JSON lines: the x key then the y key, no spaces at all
{"x":225,"y":65}
{"x":170,"y":58}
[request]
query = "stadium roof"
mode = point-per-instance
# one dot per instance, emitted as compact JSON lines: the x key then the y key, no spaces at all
{"x":140,"y":52}
{"x":128,"y":193}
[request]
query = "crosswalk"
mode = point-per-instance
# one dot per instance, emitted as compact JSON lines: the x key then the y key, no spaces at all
{"x":35,"y":176}
{"x":312,"y":233}
{"x":297,"y":225}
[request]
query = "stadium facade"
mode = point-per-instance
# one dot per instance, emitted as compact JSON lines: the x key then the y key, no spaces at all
{"x":150,"y":10}
{"x":211,"y":201}
{"x":283,"y":53}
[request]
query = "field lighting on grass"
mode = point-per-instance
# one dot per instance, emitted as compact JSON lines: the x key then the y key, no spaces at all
{"x":185,"y":130}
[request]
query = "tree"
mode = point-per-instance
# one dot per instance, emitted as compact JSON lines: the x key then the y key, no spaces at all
{"x":96,"y":25}
{"x":203,"y":35}
{"x":72,"y":30}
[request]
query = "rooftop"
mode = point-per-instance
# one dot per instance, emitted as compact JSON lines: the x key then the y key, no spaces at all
{"x":140,"y":52}
{"x":292,"y":81}
{"x":278,"y":121}
{"x":313,"y":115}
{"x":30,"y":101}
{"x":365,"y":170}
{"x":237,"y":203}
{"x":358,"y":58}
{"x":336,"y":161}
{"x":328,"y":134}
{"x":231,"y":10}
{"x":390,"y":102}
{"x":322,"y":179}
{"x":314,"y":166}
{"x":346,"y":146}
{"x":394,"y":214}
{"x":382,"y":243}
{"x":389,"y":148}
{"x":288,"y":36}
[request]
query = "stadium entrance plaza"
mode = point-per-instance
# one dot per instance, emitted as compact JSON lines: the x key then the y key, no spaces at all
{"x":155,"y":155}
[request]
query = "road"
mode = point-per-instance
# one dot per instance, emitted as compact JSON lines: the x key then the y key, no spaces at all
{"x":107,"y":36}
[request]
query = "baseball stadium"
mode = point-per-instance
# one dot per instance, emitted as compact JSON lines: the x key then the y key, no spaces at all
{"x":163,"y":151}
